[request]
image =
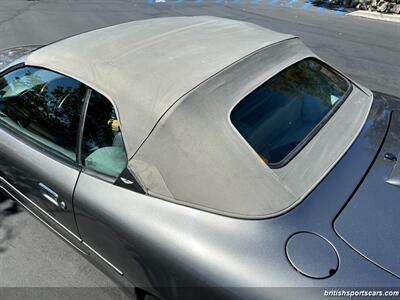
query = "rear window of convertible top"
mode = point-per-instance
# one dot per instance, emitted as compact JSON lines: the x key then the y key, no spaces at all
{"x":285,"y":112}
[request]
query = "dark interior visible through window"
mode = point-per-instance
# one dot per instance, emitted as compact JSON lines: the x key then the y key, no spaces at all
{"x":102,"y":146}
{"x":284,"y":112}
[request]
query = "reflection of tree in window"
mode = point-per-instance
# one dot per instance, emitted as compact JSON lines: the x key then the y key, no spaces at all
{"x":98,"y":132}
{"x":309,"y":77}
{"x":44,"y":103}
{"x":282,"y":112}
{"x":53,"y":111}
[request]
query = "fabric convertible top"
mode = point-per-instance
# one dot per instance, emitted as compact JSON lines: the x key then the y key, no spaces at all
{"x":145,"y":66}
{"x":174,"y":82}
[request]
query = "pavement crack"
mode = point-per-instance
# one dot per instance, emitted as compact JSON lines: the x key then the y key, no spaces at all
{"x":19,"y":12}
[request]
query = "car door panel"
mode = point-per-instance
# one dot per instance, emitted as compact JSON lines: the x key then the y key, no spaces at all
{"x":59,"y":229}
{"x":149,"y":240}
{"x":104,"y":214}
{"x":26,"y":168}
{"x":40,"y":117}
{"x":104,"y":175}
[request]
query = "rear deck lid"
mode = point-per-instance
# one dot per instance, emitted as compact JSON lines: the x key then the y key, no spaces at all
{"x":370,"y":222}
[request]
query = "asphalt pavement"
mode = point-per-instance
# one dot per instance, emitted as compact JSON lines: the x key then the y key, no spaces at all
{"x":367,"y":50}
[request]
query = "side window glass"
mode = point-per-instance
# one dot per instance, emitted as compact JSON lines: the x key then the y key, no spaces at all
{"x":102,"y":146}
{"x":44,"y":106}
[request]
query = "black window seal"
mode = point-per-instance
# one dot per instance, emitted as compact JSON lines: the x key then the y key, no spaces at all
{"x":12,"y":68}
{"x":82,"y":126}
{"x":317,"y":128}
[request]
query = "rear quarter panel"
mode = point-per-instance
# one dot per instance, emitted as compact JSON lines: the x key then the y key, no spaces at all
{"x":171,"y":249}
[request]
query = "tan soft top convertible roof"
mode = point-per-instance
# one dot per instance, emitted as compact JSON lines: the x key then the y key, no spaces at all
{"x":174,"y":82}
{"x":145,"y":66}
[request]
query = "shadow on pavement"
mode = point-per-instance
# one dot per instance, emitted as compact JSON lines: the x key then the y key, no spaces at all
{"x":340,"y":6}
{"x":8,"y":207}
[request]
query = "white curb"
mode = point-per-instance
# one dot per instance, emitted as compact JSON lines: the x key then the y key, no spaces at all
{"x":375,"y":15}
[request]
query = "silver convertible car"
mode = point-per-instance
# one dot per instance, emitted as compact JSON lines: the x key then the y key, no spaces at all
{"x":204,"y":158}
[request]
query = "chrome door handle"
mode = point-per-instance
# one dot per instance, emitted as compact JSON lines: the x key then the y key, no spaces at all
{"x":49,"y":194}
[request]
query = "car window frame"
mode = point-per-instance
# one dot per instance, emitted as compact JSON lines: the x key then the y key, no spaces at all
{"x":77,"y":164}
{"x":35,"y":144}
{"x":135,"y":186}
{"x":89,"y":171}
{"x":293,"y":153}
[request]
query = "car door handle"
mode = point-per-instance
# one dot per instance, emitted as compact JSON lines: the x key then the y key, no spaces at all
{"x":49,"y":194}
